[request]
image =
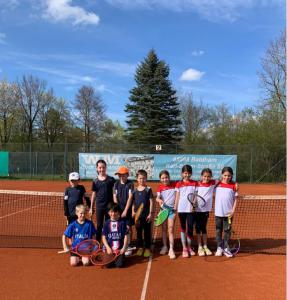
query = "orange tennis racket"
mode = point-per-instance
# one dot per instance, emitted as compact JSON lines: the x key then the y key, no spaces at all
{"x":138,"y":213}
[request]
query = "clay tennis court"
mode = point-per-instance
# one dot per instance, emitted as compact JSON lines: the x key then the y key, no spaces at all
{"x":29,"y":273}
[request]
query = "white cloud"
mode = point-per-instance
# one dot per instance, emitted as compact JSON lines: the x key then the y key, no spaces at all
{"x":8,"y":4}
{"x":62,"y":10}
{"x":212,"y":10}
{"x":2,"y":38}
{"x":197,"y":52}
{"x":191,"y":75}
{"x":123,"y":69}
{"x":65,"y":77}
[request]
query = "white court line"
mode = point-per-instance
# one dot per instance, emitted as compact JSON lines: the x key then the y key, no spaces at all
{"x":147,"y":273}
{"x":23,"y":210}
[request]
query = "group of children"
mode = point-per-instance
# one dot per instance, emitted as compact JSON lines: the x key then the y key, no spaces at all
{"x":117,"y":202}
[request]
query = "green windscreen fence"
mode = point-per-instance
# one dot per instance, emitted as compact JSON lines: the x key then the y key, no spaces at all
{"x":4,"y":163}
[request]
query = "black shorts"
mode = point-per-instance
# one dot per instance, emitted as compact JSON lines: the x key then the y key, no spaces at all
{"x":129,"y":220}
{"x":201,"y":219}
{"x":71,"y":219}
{"x":75,"y":254}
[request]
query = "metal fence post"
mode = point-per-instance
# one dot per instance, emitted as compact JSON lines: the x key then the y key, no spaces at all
{"x":251,"y":164}
{"x":30,"y":158}
{"x":66,"y":159}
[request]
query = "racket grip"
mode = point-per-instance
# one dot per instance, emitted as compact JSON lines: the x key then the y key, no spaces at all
{"x":229,"y":220}
{"x":63,"y":251}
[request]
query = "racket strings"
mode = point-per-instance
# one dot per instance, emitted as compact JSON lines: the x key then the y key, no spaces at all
{"x":102,"y":258}
{"x":87,"y":247}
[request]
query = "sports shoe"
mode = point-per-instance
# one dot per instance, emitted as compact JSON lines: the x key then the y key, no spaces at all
{"x":191,"y":252}
{"x":140,"y":252}
{"x":218,"y":251}
{"x":147,"y":253}
{"x":201,"y":251}
{"x":163,"y":250}
{"x":185,"y":253}
{"x":171,"y":254}
{"x":207,"y":251}
{"x":227,"y":253}
{"x":128,"y":252}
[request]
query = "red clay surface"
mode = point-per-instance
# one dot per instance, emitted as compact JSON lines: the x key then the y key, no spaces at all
{"x":43,"y":274}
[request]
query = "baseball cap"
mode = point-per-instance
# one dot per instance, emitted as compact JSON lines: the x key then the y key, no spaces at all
{"x":122,"y":170}
{"x":74,"y":176}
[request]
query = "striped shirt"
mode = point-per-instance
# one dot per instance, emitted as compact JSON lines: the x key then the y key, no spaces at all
{"x":225,"y":194}
{"x":185,"y":188}
{"x":167,"y":193}
{"x":205,"y":190}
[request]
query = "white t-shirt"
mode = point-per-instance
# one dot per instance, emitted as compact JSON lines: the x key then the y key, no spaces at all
{"x":224,"y":198}
{"x":205,"y":190}
{"x":167,"y":194}
{"x":185,"y":188}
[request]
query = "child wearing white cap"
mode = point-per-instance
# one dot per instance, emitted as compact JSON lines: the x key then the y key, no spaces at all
{"x":74,"y":195}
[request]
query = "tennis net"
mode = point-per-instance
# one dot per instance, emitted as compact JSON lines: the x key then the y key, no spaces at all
{"x":36,"y":220}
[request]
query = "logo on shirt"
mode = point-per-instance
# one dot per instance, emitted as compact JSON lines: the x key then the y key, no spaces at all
{"x":114,"y":227}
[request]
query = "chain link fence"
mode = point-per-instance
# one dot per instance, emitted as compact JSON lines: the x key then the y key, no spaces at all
{"x":255,"y":163}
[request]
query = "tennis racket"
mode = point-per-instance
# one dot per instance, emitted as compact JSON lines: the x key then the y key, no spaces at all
{"x":196,"y":200}
{"x":162,"y":215}
{"x":85,"y":248}
{"x":234,"y":242}
{"x":138,"y":213}
{"x":102,"y":258}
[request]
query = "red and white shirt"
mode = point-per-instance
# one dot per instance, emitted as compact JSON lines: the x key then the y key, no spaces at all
{"x":205,"y":190}
{"x":225,"y":194}
{"x":167,"y":193}
{"x":185,"y":188}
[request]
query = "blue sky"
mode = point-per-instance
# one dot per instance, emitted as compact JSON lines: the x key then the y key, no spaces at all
{"x":213,"y":47}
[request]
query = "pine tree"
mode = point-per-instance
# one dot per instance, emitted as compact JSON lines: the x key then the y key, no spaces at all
{"x":153,"y":111}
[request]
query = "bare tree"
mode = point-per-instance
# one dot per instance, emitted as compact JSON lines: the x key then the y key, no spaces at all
{"x":53,"y":118}
{"x":8,"y":110}
{"x":31,"y":93}
{"x":89,"y":113}
{"x":195,"y":118}
{"x":273,"y":74}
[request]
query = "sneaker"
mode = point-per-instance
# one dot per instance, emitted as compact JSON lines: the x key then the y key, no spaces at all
{"x":171,"y":254}
{"x":218,"y":251}
{"x":147,"y":253}
{"x":191,"y":252}
{"x":185,"y":253}
{"x":207,"y":251}
{"x":227,"y":253}
{"x":140,"y":252}
{"x":201,"y":251}
{"x":163,"y":250}
{"x":128,"y":252}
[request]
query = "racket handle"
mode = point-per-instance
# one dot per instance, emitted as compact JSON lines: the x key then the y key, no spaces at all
{"x":63,"y":251}
{"x":229,"y":220}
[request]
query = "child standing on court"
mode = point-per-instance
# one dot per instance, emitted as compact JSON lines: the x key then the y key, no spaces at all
{"x":166,"y":199}
{"x":115,"y":235}
{"x":102,"y":188}
{"x":74,"y":195}
{"x":225,"y":204}
{"x":205,"y":189}
{"x":123,"y":189}
{"x":143,"y":194}
{"x":78,"y":231}
{"x":185,"y":212}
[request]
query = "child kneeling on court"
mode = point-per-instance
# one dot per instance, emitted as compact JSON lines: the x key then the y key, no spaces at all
{"x":78,"y":231}
{"x":115,"y":235}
